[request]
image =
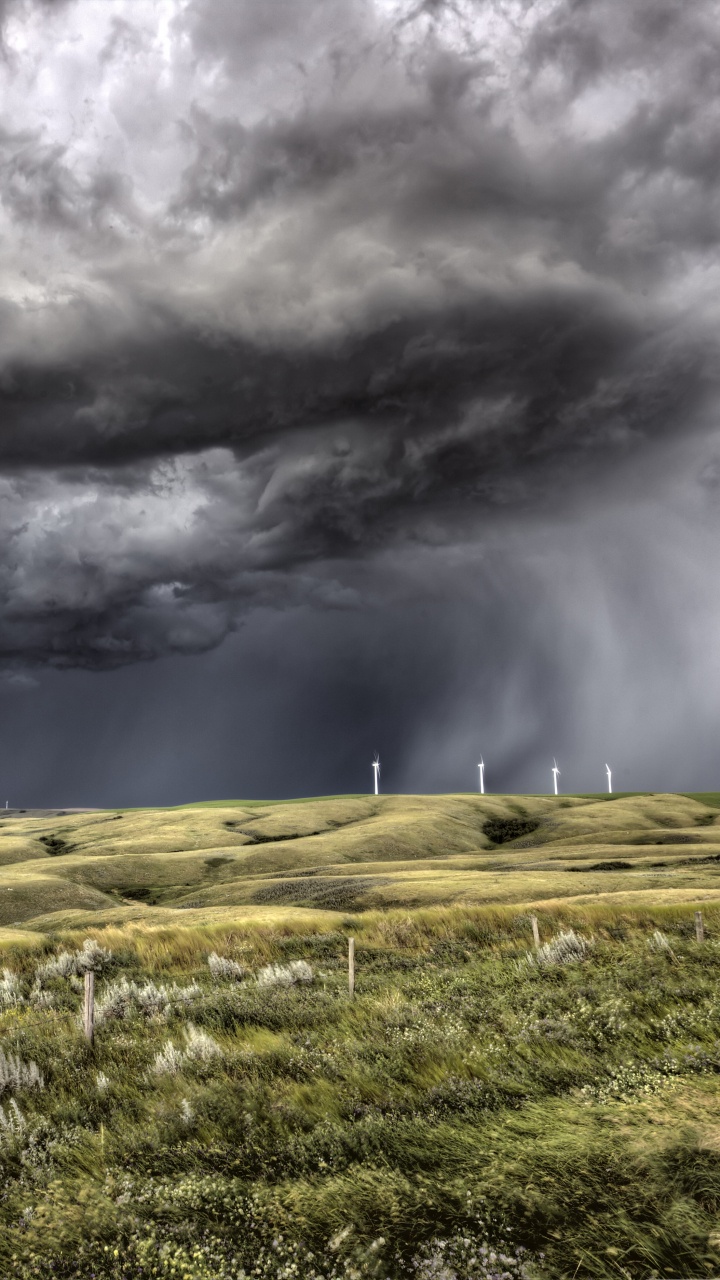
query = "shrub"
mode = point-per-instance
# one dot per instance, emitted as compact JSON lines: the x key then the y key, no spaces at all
{"x":12,"y":1122}
{"x":285,"y":975}
{"x":200,"y":1046}
{"x":122,"y":998}
{"x":501,"y":830}
{"x":68,"y":965}
{"x":10,"y":992}
{"x":40,"y":999}
{"x":62,"y":966}
{"x":221,"y":967}
{"x":169,"y":1060}
{"x":566,"y":948}
{"x":16,"y":1074}
{"x":92,"y":956}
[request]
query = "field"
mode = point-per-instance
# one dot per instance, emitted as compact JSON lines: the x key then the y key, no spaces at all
{"x":477,"y":1109}
{"x":201,"y":863}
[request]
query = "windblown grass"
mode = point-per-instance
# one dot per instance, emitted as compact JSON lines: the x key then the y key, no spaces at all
{"x":575,"y":1107}
{"x":467,"y":1103}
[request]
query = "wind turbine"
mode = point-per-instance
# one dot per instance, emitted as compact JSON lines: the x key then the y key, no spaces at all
{"x":481,"y":767}
{"x":608,"y":771}
{"x":555,"y":772}
{"x":376,"y":767}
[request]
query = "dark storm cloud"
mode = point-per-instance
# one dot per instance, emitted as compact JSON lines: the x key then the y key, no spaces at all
{"x":285,"y":286}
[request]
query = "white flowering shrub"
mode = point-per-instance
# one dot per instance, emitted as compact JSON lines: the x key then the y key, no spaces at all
{"x":285,"y":975}
{"x":69,"y":964}
{"x":567,"y":948}
{"x":92,"y":956}
{"x":222,"y":967}
{"x":123,"y":998}
{"x":16,"y":1074}
{"x":60,"y":966}
{"x":151,"y":999}
{"x":169,"y":1060}
{"x":102,"y":1083}
{"x":12,"y":1121}
{"x":199,"y":1046}
{"x":40,"y":999}
{"x":10,"y":990}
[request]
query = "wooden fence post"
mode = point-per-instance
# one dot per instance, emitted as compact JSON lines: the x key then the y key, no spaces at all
{"x":89,"y":1009}
{"x":351,"y":966}
{"x":699,"y":927}
{"x":536,"y":931}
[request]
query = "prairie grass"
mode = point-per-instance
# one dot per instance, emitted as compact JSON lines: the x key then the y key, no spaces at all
{"x":352,"y":853}
{"x":565,"y":1118}
{"x":467,"y":1115}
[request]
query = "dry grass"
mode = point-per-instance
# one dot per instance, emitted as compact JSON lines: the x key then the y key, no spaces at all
{"x":274,"y":863}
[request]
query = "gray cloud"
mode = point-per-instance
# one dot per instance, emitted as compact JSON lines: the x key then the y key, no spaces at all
{"x":304,"y":303}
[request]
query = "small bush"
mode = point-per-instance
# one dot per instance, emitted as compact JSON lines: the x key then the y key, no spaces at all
{"x":12,"y":1122}
{"x":16,"y":1074}
{"x":567,"y":948}
{"x":92,"y":957}
{"x":10,"y":991}
{"x":502,"y":830}
{"x":40,"y":999}
{"x":61,"y":966}
{"x":169,"y":1060}
{"x":222,"y":967}
{"x":285,"y":975}
{"x":55,"y":845}
{"x":71,"y":965}
{"x":200,"y":1047}
{"x":122,"y":998}
{"x":659,"y":941}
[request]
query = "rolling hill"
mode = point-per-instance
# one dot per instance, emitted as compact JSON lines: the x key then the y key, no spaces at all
{"x":203,"y":863}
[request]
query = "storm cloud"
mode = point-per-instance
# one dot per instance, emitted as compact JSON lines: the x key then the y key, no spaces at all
{"x":354,"y":309}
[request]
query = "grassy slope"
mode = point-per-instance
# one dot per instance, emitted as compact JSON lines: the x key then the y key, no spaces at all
{"x":351,"y":853}
{"x":578,"y":1106}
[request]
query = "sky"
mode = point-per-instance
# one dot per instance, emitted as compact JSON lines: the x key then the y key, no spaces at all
{"x":358,"y":391}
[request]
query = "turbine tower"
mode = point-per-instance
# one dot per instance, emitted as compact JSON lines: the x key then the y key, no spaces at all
{"x":555,"y":772}
{"x":608,"y":771}
{"x":481,"y":767}
{"x":376,"y":768}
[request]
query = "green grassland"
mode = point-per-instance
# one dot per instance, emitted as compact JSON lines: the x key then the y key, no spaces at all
{"x":473,"y":1099}
{"x":354,"y":853}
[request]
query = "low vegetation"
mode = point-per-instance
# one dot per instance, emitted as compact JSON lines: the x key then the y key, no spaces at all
{"x":477,"y":1110}
{"x":481,"y":1109}
{"x":350,"y":854}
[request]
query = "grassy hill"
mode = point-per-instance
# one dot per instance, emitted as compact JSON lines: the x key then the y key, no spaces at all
{"x":354,"y":853}
{"x":477,"y":1110}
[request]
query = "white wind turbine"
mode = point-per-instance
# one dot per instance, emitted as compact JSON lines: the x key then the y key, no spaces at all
{"x":376,"y":767}
{"x":555,"y":773}
{"x":608,"y":771}
{"x":481,"y":767}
